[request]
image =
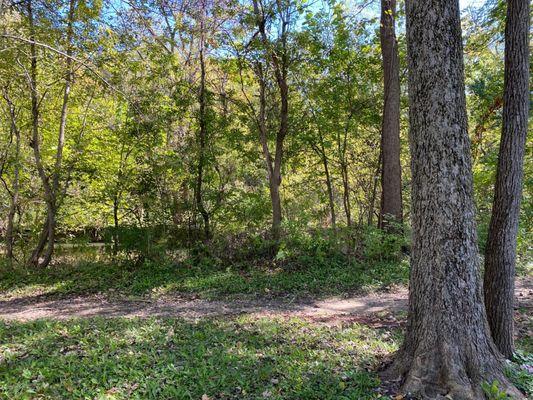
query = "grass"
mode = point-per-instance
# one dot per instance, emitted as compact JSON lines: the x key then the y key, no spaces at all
{"x":204,"y":277}
{"x":241,"y":358}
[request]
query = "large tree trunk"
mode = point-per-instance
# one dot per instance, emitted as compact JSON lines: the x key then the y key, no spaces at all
{"x":391,"y":175}
{"x":447,"y":350}
{"x":500,"y":254}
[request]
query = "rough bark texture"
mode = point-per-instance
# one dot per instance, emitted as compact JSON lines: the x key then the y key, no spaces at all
{"x":391,"y":175}
{"x":501,"y":244}
{"x":447,"y":349}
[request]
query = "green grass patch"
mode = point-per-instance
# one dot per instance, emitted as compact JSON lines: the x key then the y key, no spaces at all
{"x":204,"y":277}
{"x":241,"y":358}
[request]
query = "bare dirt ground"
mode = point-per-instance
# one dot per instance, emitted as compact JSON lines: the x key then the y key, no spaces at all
{"x":380,"y":309}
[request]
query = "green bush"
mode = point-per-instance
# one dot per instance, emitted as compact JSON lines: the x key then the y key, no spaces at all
{"x":381,"y":245}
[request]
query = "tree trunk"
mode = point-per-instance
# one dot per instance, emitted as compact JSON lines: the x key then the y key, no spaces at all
{"x":447,"y":350}
{"x":280,"y":67}
{"x":115,"y":223}
{"x":329,"y":185}
{"x":10,"y":237}
{"x":273,"y":183}
{"x":346,"y":193}
{"x":52,"y":217}
{"x":202,"y":141}
{"x":391,"y":175}
{"x":374,"y":190}
{"x":14,"y":194}
{"x":342,"y":145}
{"x":500,"y":254}
{"x":43,"y":237}
{"x":51,"y":186}
{"x":35,"y":141}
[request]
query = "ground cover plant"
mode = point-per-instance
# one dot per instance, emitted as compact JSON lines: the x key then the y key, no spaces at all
{"x":241,"y":358}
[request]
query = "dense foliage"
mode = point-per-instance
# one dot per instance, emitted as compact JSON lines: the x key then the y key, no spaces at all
{"x":162,"y":121}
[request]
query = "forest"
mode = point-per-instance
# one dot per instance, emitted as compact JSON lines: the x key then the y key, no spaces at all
{"x":266,"y":199}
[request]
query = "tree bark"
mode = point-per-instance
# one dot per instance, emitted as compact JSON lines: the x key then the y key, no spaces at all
{"x":500,"y":256}
{"x":447,"y":350}
{"x":391,"y":175}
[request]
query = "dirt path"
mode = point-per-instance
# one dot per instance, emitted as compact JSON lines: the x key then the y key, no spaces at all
{"x":89,"y":306}
{"x":328,"y":310}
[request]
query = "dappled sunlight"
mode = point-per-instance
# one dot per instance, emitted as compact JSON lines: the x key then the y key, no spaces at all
{"x":243,"y":357}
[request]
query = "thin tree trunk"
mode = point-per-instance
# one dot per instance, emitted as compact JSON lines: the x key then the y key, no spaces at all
{"x":47,"y":257}
{"x":14,"y":194}
{"x":278,"y":157}
{"x":10,"y":237}
{"x":391,"y":178}
{"x":374,"y":191}
{"x":342,"y":145}
{"x":500,"y":256}
{"x":329,"y":185}
{"x":115,"y":223}
{"x":273,"y":183}
{"x":447,"y":350}
{"x":51,"y":188}
{"x":35,"y":141}
{"x":202,"y":139}
{"x":346,"y":193}
{"x":280,"y":66}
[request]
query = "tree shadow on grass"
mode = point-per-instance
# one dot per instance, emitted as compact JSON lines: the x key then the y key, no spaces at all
{"x":204,"y":278}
